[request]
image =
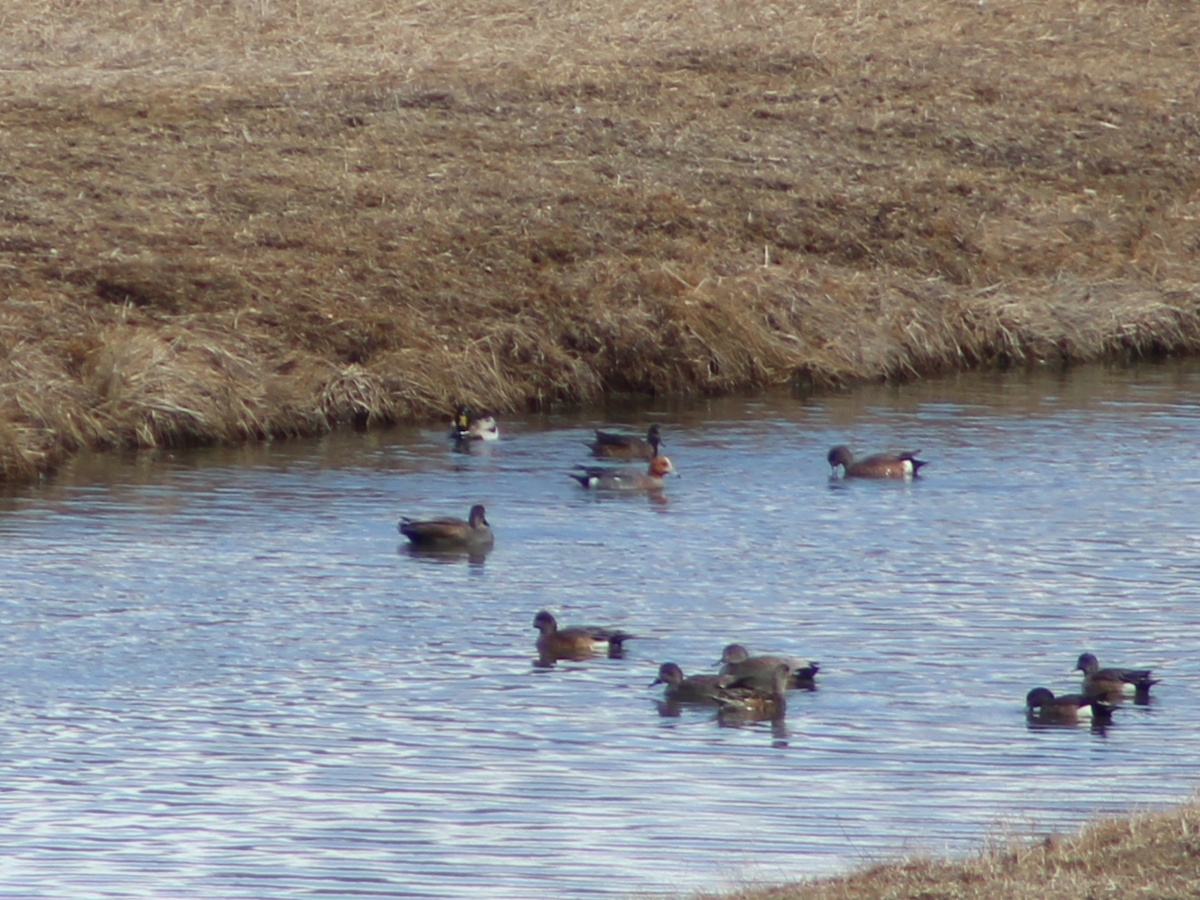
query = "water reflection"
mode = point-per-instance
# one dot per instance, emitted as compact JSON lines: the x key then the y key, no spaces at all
{"x":231,"y":652}
{"x":475,"y":556}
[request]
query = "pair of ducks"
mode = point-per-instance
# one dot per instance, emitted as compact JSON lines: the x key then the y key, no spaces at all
{"x":747,"y":687}
{"x":1101,"y":691}
{"x":611,"y":445}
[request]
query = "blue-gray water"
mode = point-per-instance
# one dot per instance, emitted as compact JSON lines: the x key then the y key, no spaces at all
{"x":223,"y":676}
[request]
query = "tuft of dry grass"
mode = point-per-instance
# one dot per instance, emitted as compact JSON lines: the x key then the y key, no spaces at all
{"x":240,"y":219}
{"x":1148,"y":855}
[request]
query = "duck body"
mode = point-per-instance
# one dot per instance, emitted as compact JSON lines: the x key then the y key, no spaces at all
{"x":740,"y":669}
{"x":747,"y":703}
{"x":598,"y":478}
{"x":690,"y":689}
{"x":447,"y":532}
{"x":1112,"y":684}
{"x":611,"y":445}
{"x":897,"y":464}
{"x":1042,"y":706}
{"x":472,"y":426}
{"x":575,"y":642}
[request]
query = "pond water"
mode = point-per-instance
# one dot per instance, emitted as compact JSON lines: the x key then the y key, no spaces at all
{"x":223,"y":676}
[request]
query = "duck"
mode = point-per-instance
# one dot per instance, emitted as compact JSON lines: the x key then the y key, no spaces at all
{"x":575,"y":642}
{"x":447,"y":532}
{"x":1111,"y":685}
{"x":745,"y":703}
{"x":472,"y":426}
{"x":692,"y":689}
{"x":1042,"y":706}
{"x":626,"y":479}
{"x":892,"y":464}
{"x":609,"y":444}
{"x":740,"y":669}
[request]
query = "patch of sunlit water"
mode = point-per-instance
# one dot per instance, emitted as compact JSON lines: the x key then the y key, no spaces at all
{"x":224,"y":676}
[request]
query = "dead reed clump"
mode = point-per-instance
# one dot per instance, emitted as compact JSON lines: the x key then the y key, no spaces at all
{"x":357,"y":398}
{"x":1145,"y":855}
{"x":222,"y":222}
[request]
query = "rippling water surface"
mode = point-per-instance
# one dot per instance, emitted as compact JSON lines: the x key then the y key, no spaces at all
{"x":223,"y":676}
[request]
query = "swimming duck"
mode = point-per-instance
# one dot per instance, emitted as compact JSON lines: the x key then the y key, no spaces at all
{"x":471,"y":426}
{"x":741,"y":669}
{"x":626,"y":479}
{"x":447,"y":532}
{"x":692,"y":689}
{"x":1112,"y":684}
{"x":898,"y":464}
{"x":1042,"y":706}
{"x":745,"y":703}
{"x":611,"y":445}
{"x":576,"y":642}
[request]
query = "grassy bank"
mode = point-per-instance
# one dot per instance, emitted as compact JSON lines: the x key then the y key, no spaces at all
{"x":1153,"y":855}
{"x":231,"y":220}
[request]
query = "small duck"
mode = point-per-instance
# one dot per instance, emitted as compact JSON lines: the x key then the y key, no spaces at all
{"x":740,"y":669}
{"x":749,"y":704}
{"x":471,"y":426}
{"x":626,"y":479}
{"x":692,"y":689}
{"x":447,"y":532}
{"x":898,"y":464}
{"x":1042,"y":706}
{"x":611,"y":445}
{"x":1111,"y":685}
{"x":576,"y":642}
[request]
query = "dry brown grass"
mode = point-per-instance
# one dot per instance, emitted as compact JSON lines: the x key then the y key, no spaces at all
{"x":222,"y":221}
{"x":1152,"y":856}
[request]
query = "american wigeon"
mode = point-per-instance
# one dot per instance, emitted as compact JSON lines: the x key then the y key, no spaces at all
{"x":626,"y":479}
{"x":746,"y":703}
{"x":472,"y":426}
{"x":898,"y":464}
{"x":611,"y":445}
{"x":692,"y":689}
{"x":447,"y":532}
{"x":1112,"y":684}
{"x":576,"y":642}
{"x":1042,"y":706}
{"x":740,"y":669}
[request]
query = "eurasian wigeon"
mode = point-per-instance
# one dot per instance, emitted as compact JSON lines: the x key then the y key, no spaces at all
{"x":576,"y":642}
{"x":692,"y":689}
{"x":626,"y":479}
{"x":897,"y":464}
{"x":740,"y":669}
{"x":472,"y":426}
{"x":1042,"y":706}
{"x":1112,"y":684}
{"x":611,"y":445}
{"x":447,"y":532}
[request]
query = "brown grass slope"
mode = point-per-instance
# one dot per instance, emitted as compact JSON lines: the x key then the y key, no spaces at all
{"x":1149,"y":856}
{"x":233,"y":220}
